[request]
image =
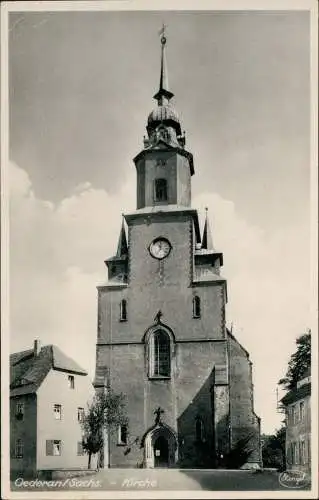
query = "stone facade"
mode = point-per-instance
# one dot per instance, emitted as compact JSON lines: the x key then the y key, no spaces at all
{"x":162,"y":338}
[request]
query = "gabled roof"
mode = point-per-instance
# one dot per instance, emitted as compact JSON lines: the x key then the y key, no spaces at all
{"x":27,"y":371}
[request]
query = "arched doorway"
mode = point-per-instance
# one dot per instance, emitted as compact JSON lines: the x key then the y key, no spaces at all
{"x":161,"y":452}
{"x":160,"y":447}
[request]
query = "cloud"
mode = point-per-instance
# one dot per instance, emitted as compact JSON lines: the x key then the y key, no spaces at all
{"x":268,"y":278}
{"x":57,"y":255}
{"x":56,"y":261}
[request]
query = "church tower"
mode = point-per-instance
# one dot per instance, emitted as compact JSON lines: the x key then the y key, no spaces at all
{"x":162,"y":338}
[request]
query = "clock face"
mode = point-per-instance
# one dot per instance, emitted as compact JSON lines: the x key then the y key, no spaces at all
{"x":160,"y":248}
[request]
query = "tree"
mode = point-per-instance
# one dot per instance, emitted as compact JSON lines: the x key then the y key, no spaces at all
{"x":299,"y":362}
{"x":273,"y":449}
{"x":106,"y":411}
{"x":239,"y":453}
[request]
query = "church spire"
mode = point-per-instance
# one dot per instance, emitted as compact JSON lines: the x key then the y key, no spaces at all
{"x":122,"y":248}
{"x":207,"y":242}
{"x":164,"y":94}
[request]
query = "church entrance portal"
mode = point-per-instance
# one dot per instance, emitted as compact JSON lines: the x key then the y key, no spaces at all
{"x":160,"y":447}
{"x":161,"y":452}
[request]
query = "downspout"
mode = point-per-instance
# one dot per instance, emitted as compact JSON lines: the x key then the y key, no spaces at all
{"x":229,"y":396}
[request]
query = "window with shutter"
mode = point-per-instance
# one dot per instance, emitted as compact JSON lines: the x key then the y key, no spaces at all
{"x":80,"y":450}
{"x":49,"y":447}
{"x":302,"y":411}
{"x":302,"y":452}
{"x":53,"y":447}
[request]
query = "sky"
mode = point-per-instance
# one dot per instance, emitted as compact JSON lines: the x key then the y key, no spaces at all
{"x":80,"y":91}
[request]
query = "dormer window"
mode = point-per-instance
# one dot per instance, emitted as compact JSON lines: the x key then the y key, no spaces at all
{"x":123,"y":310}
{"x":196,"y":307}
{"x":160,"y":190}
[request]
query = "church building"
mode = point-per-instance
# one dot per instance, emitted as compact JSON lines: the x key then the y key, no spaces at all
{"x":162,"y":338}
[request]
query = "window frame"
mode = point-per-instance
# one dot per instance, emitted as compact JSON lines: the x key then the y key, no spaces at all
{"x":80,"y":450}
{"x":57,"y":410}
{"x":197,"y":309}
{"x":123,"y":310}
{"x":19,"y":410}
{"x":80,"y":414}
{"x":19,"y":445}
{"x":50,"y":447}
{"x":71,"y":381}
{"x":155,"y":362}
{"x":120,"y":441}
{"x":160,"y":185}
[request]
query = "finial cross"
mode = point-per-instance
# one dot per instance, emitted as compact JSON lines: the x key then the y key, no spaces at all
{"x":158,"y":316}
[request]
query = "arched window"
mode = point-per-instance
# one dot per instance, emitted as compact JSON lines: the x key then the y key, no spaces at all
{"x":160,"y":189}
{"x":199,"y":430}
{"x":196,"y":307}
{"x":160,"y":354}
{"x":123,"y":310}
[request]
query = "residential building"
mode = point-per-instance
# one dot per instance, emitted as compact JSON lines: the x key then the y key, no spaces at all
{"x":162,"y":338}
{"x":297,"y":403}
{"x":48,"y":393}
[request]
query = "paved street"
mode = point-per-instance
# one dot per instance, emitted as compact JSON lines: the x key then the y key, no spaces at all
{"x":169,"y":479}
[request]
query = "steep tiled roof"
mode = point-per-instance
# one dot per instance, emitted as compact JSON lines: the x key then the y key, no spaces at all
{"x":27,"y":371}
{"x":296,"y":394}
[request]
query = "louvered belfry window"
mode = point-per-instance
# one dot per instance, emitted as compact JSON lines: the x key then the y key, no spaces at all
{"x":160,"y":189}
{"x":161,"y":354}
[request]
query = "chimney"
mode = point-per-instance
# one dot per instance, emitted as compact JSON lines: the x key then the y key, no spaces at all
{"x":36,"y":347}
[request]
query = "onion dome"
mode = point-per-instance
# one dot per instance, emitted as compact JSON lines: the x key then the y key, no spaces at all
{"x":165,"y":114}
